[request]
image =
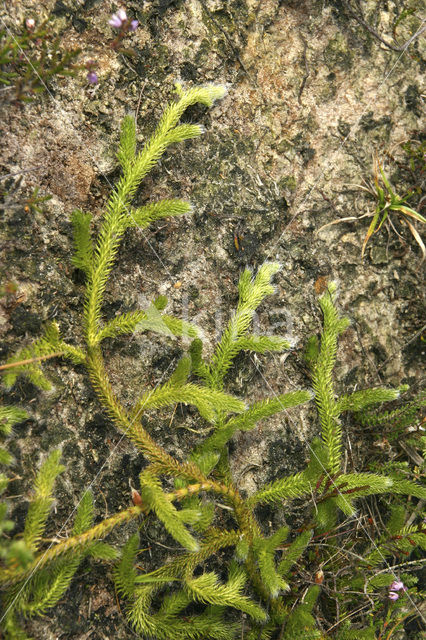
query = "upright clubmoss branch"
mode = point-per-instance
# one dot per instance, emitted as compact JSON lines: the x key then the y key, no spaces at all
{"x":117,"y":217}
{"x":252,"y":290}
{"x":323,"y":381}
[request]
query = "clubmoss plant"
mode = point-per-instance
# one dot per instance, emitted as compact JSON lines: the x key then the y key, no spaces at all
{"x":8,"y":417}
{"x":267,"y":589}
{"x":401,"y":422}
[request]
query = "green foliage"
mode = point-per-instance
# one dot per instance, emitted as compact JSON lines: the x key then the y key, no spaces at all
{"x":28,"y":360}
{"x":119,"y":215}
{"x":44,"y":586}
{"x":334,"y":494}
{"x":143,"y":216}
{"x":249,"y":418}
{"x":154,"y":498}
{"x":389,"y":208}
{"x":362,"y":399}
{"x":301,"y":623}
{"x":322,"y":379}
{"x":208,"y":401}
{"x":293,"y":553}
{"x":230,"y":568}
{"x":10,"y":550}
{"x":125,"y":573}
{"x":44,"y":347}
{"x":394,"y":423}
{"x":388,"y":201}
{"x":83,"y":257}
{"x":401,"y":542}
{"x":9,"y":416}
{"x":33,"y":202}
{"x":252,"y":291}
{"x":149,"y":320}
{"x":127,"y":149}
{"x":29,"y":60}
{"x":291,"y":487}
{"x":350,"y":633}
{"x":264,"y":551}
{"x":207,"y":588}
{"x":42,"y":499}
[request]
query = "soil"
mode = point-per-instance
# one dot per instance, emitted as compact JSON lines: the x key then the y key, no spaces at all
{"x":313,"y":96}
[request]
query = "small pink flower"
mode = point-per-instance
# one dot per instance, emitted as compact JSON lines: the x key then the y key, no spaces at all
{"x":120,"y":21}
{"x":30,"y":23}
{"x":397,"y":585}
{"x":393,"y":596}
{"x":116,"y":21}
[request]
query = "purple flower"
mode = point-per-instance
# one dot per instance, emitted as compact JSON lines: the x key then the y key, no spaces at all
{"x":393,"y":596}
{"x":397,"y":585}
{"x":120,"y":21}
{"x":92,"y":77}
{"x":117,"y":19}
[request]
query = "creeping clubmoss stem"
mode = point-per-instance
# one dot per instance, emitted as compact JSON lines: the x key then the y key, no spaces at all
{"x":97,"y":532}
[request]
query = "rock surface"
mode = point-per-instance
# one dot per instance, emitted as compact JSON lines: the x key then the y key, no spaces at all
{"x":312,"y":97}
